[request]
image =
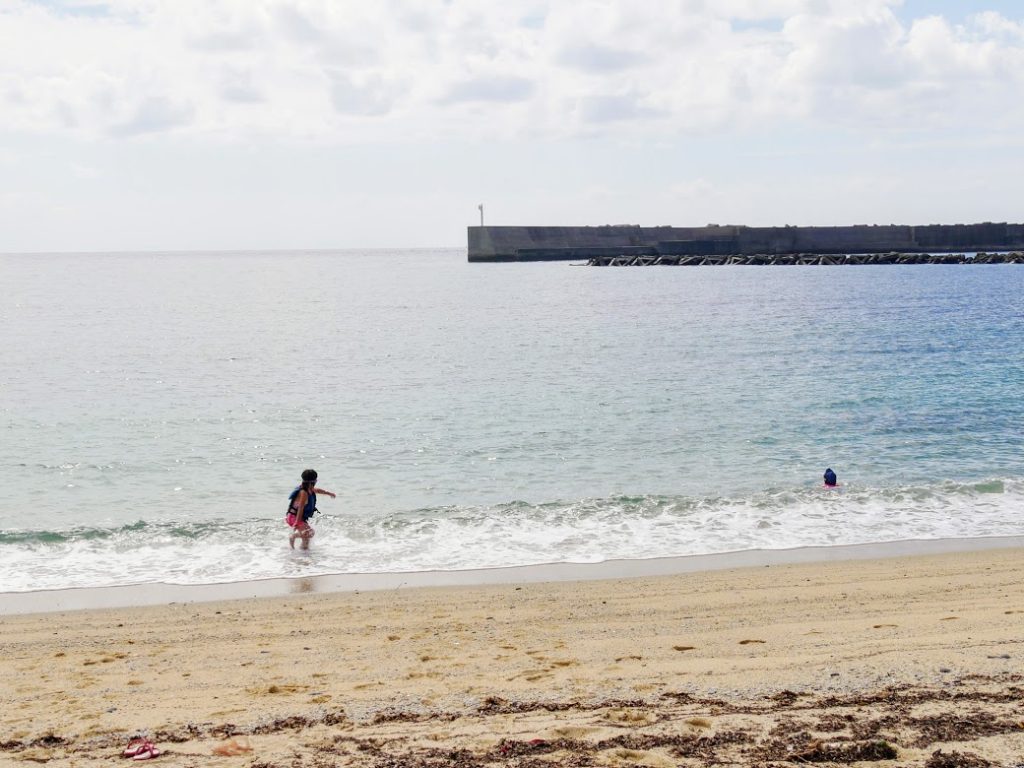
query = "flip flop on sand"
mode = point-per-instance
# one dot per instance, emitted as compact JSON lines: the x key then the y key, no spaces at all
{"x":146,"y":754}
{"x":134,"y":747}
{"x":141,"y":749}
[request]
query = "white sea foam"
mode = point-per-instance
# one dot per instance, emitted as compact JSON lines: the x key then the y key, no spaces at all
{"x":457,"y":538}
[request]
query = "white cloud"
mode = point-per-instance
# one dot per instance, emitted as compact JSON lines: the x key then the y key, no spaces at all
{"x":599,"y":59}
{"x":154,"y":115}
{"x":238,"y":87}
{"x":501,"y":88}
{"x":280,"y":123}
{"x":367,"y":95}
{"x":237,"y":68}
{"x":609,"y":109}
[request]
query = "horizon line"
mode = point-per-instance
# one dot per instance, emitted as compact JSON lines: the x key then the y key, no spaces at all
{"x":173,"y":251}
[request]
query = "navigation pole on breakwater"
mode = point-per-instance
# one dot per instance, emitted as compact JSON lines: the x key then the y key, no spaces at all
{"x":616,"y":245}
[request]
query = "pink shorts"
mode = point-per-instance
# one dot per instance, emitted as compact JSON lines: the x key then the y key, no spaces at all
{"x":302,"y":528}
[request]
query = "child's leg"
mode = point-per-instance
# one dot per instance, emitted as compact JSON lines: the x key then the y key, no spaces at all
{"x":304,"y":531}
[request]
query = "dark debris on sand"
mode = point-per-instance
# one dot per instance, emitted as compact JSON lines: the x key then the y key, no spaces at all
{"x":432,"y":758}
{"x":46,"y":741}
{"x":940,"y":759}
{"x":960,"y":727}
{"x":495,"y":705}
{"x":790,"y":729}
{"x":405,"y":716}
{"x":848,"y":753}
{"x":801,"y":746}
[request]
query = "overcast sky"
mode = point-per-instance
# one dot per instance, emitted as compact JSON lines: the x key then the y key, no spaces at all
{"x":238,"y":124}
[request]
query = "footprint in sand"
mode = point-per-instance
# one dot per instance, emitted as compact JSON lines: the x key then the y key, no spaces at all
{"x":630,"y":717}
{"x":693,"y":647}
{"x":572,"y":732}
{"x":1012,"y":612}
{"x":531,"y":675}
{"x":421,"y":675}
{"x":227,"y":712}
{"x":882,"y":626}
{"x":949,"y":618}
{"x":538,"y":676}
{"x":748,"y":642}
{"x":631,"y":658}
{"x":633,"y":757}
{"x":275,"y":689}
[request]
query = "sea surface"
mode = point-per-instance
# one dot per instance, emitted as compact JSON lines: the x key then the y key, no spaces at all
{"x":157,"y":408}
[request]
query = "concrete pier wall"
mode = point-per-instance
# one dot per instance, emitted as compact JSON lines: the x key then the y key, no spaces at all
{"x":554,"y":243}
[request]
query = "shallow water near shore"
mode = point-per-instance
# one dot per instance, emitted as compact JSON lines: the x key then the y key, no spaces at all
{"x":158,"y":408}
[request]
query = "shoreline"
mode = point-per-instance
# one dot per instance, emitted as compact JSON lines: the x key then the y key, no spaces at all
{"x":162,"y":593}
{"x":912,"y":658}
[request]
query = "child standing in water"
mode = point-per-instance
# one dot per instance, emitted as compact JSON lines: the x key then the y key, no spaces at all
{"x":301,"y":506}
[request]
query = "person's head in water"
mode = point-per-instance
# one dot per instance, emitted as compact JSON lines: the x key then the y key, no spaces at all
{"x":830,"y":477}
{"x":309,"y":478}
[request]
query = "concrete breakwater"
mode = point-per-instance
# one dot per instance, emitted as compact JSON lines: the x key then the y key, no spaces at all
{"x":764,"y":259}
{"x":496,"y":244}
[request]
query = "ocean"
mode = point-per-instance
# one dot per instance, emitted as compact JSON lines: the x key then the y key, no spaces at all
{"x":157,"y":409}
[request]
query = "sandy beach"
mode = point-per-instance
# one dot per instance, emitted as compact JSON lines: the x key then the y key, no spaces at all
{"x":902,"y":661}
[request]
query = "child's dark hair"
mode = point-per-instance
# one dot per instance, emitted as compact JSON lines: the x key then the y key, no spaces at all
{"x":309,"y":477}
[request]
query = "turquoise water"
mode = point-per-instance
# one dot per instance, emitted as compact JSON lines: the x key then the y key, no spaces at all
{"x":157,"y":409}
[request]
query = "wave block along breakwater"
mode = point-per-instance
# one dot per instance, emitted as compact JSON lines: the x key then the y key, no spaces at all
{"x":807,"y":259}
{"x":713,"y":244}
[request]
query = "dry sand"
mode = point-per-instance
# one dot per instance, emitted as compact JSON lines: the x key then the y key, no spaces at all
{"x":901,"y":661}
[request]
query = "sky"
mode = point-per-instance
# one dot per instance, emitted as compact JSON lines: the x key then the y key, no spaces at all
{"x":279,"y":124}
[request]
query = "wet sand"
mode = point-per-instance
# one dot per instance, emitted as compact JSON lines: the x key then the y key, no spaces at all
{"x":51,"y":601}
{"x":910,"y":660}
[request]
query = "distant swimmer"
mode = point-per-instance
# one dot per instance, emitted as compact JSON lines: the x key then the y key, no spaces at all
{"x":830,"y":478}
{"x":301,"y":506}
